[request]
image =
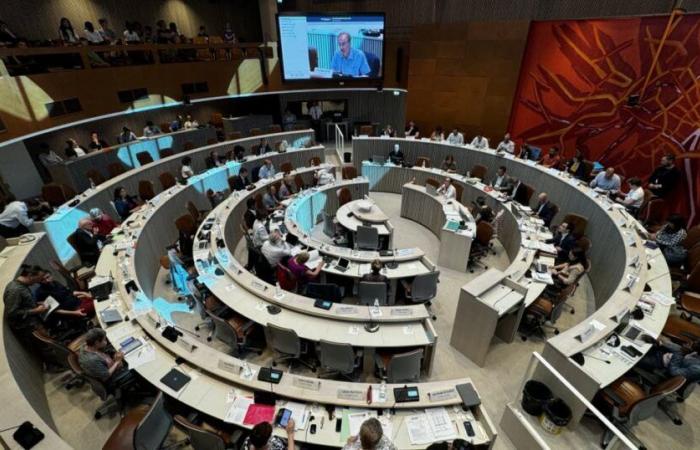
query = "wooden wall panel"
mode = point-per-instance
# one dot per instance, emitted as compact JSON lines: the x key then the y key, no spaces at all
{"x":39,"y":19}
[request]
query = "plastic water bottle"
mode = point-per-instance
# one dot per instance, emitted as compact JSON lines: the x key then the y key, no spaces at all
{"x":92,"y":183}
{"x":376,"y":306}
{"x":278,"y":289}
{"x":246,"y":369}
{"x":382,"y":391}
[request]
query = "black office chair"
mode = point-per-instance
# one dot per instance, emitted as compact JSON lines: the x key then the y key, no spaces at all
{"x":235,"y":332}
{"x":152,"y":430}
{"x":205,"y":437}
{"x":374,"y":64}
{"x":367,"y":238}
{"x":325,"y":291}
{"x":338,"y":359}
{"x":371,"y":291}
{"x":400,"y":367}
{"x":424,"y":289}
{"x":286,"y":343}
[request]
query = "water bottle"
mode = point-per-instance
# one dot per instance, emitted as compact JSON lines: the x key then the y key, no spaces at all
{"x":376,"y":306}
{"x":92,"y":183}
{"x":382,"y":391}
{"x":246,"y":369}
{"x":278,"y":289}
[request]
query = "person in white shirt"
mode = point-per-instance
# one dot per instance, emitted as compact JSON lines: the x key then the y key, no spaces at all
{"x":14,"y":219}
{"x":189,"y":123}
{"x":127,"y":136}
{"x":315,"y":111}
{"x":267,"y":170}
{"x":325,"y":176}
{"x":260,"y":234}
{"x":438,"y":135}
{"x":506,"y":145}
{"x":74,"y":150}
{"x":447,"y":189}
{"x":480,"y":142}
{"x":275,"y":249}
{"x":93,"y":36}
{"x":150,"y":129}
{"x":455,"y":138}
{"x":635,"y":196}
{"x":186,"y":169}
{"x":130,"y":34}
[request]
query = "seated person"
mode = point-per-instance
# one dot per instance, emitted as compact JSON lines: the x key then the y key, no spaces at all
{"x":96,"y":143}
{"x":261,"y":438}
{"x":325,"y":176}
{"x":103,"y":224}
{"x":575,"y":166}
{"x":69,"y":300}
{"x":14,"y":218}
{"x":285,"y":190}
{"x":563,"y":240}
{"x":389,"y":131}
{"x":438,"y":134}
{"x":124,"y":203}
{"x":449,"y":165}
{"x":568,"y":272}
{"x":267,"y":170}
{"x":485,"y":214}
{"x":349,"y":61}
{"x":480,"y":142}
{"x":370,"y":437}
{"x":190,"y":123}
{"x":275,"y":249}
{"x":213,"y":160}
{"x":241,"y":181}
{"x":411,"y":129}
{"x":502,"y":181}
{"x":670,"y":238}
{"x":634,"y":198}
{"x":98,"y":360}
{"x":177,"y":123}
{"x":606,"y":181}
{"x":506,"y":145}
{"x":544,"y":209}
{"x":375,"y":275}
{"x":151,"y":129}
{"x":87,"y":243}
{"x":238,"y":153}
{"x":447,"y":189}
{"x":396,"y":155}
{"x":186,"y":168}
{"x":297,"y":265}
{"x":455,"y":138}
{"x":74,"y":150}
{"x":673,"y":359}
{"x":126,"y":136}
{"x":270,"y":201}
{"x":262,"y":148}
{"x":22,"y":312}
{"x":37,"y":208}
{"x":551,"y":159}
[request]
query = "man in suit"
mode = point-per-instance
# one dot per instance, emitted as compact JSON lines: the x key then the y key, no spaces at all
{"x":502,"y":181}
{"x":87,"y":243}
{"x":544,"y":209}
{"x":241,"y":181}
{"x":519,"y":192}
{"x":563,"y":241}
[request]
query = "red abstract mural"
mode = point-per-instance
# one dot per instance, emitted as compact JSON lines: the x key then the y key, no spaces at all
{"x":576,"y":80}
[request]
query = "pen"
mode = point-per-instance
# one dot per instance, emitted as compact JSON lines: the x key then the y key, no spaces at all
{"x":323,"y":419}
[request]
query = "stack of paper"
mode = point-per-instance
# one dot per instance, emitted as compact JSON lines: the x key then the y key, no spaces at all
{"x":237,"y":412}
{"x":431,"y":426}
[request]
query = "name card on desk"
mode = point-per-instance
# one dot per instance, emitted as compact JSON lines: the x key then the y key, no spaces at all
{"x":229,"y":366}
{"x":307,"y":383}
{"x":401,"y":312}
{"x":187,"y":344}
{"x":350,"y":394}
{"x":587,"y":333}
{"x":442,"y":395}
{"x":346,"y":310}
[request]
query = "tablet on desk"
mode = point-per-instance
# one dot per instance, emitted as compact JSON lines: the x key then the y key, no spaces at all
{"x":342,"y":265}
{"x":175,"y":380}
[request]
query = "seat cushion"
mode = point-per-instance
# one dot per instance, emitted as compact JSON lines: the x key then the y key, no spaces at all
{"x":122,"y":438}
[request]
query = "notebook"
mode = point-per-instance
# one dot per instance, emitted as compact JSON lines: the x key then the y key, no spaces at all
{"x":110,"y":316}
{"x":175,"y":380}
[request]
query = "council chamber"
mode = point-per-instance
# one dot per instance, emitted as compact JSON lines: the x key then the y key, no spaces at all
{"x":367,"y":225}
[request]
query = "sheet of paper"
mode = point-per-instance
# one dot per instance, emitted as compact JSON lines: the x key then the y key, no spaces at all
{"x":52,"y":304}
{"x":143,"y":355}
{"x":419,"y":431}
{"x":440,"y":423}
{"x":237,"y":412}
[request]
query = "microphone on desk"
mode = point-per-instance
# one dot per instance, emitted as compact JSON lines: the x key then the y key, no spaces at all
{"x":597,"y":358}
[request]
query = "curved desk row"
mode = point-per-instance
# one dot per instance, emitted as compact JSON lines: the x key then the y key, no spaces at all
{"x":65,"y":219}
{"x":622,"y":267}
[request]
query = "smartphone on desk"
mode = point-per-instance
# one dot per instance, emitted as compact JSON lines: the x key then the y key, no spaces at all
{"x":283,"y":416}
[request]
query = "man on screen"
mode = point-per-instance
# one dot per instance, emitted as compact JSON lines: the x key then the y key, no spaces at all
{"x":348,"y":61}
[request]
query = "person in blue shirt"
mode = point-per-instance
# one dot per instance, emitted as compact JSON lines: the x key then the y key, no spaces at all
{"x":347,"y":60}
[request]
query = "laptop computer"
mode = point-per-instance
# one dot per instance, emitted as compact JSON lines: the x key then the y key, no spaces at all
{"x":291,"y":239}
{"x":342,"y":265}
{"x":175,"y":380}
{"x":430,"y":190}
{"x":378,"y":159}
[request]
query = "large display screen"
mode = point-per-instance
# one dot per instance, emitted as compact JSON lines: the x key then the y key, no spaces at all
{"x":331,"y":46}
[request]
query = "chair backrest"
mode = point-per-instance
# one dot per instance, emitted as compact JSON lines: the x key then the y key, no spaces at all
{"x":146,"y":191}
{"x":286,"y":278}
{"x":584,"y":243}
{"x":315,"y":161}
{"x":200,"y":439}
{"x":188,"y":146}
{"x":186,"y":224}
{"x":648,"y":405}
{"x":255,"y":132}
{"x":255,"y":174}
{"x":54,"y":194}
{"x":478,"y":171}
{"x":692,"y":238}
{"x":405,"y":367}
{"x":165,"y":127}
{"x":167,"y":180}
{"x":166,"y":152}
{"x":484,"y":233}
{"x":232,"y":136}
{"x":223,"y":330}
{"x":328,"y":225}
{"x":283,"y":340}
{"x":344,"y":196}
{"x":368,"y":291}
{"x":373,"y":63}
{"x":217,"y":119}
{"x":432,"y":182}
{"x":422,"y":161}
{"x":286,"y":167}
{"x":340,"y":357}
{"x":154,"y":427}
{"x":579,"y":223}
{"x":165,"y":262}
{"x":458,"y":191}
{"x":71,"y":281}
{"x":298,"y":182}
{"x":367,"y":238}
{"x":95,"y":176}
{"x":313,"y":58}
{"x":115,"y":169}
{"x":424,"y":287}
{"x":349,"y":173}
{"x":144,"y":158}
{"x":74,"y":364}
{"x":366,"y":130}
{"x":653,"y":212}
{"x":529,"y":190}
{"x":325,"y":291}
{"x":274,"y":128}
{"x":193,"y":210}
{"x":58,"y":353}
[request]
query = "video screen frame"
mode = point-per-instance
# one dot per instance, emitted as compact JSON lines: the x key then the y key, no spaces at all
{"x":339,"y":80}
